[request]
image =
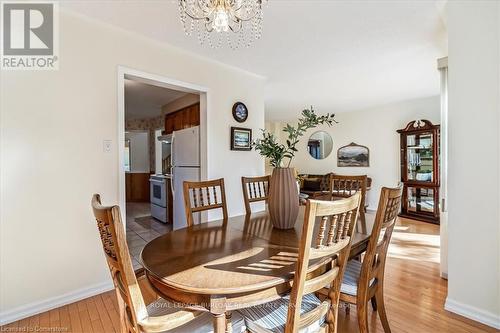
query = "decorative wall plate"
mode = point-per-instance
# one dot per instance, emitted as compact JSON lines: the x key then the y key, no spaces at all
{"x":240,"y":112}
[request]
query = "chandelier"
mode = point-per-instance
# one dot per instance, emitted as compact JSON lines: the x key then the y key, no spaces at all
{"x":238,"y":22}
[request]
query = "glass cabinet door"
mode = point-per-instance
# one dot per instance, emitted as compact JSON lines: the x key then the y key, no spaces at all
{"x":420,"y":200}
{"x":419,"y":157}
{"x":419,"y":162}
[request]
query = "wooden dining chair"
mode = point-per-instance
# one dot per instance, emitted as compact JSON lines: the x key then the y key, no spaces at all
{"x":255,"y":189}
{"x":343,"y":186}
{"x":135,"y":316}
{"x":364,"y":281}
{"x":326,"y":243}
{"x":204,"y":195}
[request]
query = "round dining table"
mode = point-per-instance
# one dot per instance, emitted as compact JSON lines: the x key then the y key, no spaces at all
{"x":225,"y":265}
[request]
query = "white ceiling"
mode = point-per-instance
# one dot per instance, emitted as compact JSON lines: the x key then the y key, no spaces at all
{"x":336,"y":55}
{"x":145,"y":101}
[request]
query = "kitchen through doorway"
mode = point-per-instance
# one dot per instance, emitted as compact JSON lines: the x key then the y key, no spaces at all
{"x":154,"y":115}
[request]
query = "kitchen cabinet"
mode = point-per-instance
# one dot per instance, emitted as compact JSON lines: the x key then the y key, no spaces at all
{"x":194,"y":114}
{"x":137,"y":187}
{"x":169,"y":125}
{"x":183,"y":118}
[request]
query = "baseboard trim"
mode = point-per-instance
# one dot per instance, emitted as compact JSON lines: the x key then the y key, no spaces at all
{"x":473,"y":313}
{"x":34,"y":308}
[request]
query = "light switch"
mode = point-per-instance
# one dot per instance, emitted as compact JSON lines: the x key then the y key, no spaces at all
{"x":106,"y":146}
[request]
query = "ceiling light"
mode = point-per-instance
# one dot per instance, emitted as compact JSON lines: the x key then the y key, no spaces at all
{"x":239,"y":22}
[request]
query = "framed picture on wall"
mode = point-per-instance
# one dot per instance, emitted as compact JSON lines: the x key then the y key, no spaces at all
{"x":353,"y":155}
{"x":241,"y":138}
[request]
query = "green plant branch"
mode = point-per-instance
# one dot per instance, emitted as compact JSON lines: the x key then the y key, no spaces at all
{"x":269,"y":147}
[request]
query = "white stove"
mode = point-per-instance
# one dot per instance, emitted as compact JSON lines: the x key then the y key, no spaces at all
{"x":159,"y":197}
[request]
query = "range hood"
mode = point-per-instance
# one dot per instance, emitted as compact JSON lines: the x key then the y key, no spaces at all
{"x":165,"y":138}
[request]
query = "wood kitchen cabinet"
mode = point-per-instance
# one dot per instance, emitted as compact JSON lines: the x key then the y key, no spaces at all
{"x":186,"y":122}
{"x":194,"y":114}
{"x":169,"y":125}
{"x":137,"y":187}
{"x":183,"y":118}
{"x":178,"y":121}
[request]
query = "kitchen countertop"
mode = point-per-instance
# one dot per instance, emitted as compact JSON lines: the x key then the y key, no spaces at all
{"x":165,"y":176}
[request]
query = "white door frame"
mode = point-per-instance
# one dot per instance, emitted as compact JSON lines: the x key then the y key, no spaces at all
{"x":160,"y":81}
{"x":443,"y":192}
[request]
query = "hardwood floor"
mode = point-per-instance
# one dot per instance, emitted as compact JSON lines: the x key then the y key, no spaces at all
{"x":414,"y":292}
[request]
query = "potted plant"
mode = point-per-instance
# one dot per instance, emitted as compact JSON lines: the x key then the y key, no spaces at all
{"x":283,"y":200}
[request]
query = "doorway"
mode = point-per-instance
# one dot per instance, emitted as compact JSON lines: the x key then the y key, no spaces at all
{"x":146,"y":105}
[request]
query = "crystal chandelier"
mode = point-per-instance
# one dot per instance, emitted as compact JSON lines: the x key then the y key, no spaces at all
{"x":239,"y":22}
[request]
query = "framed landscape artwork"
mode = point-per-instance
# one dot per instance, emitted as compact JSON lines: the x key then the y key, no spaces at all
{"x":241,"y":138}
{"x":353,"y":155}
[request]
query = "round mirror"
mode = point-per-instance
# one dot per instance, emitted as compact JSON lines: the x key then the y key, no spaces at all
{"x":320,"y":145}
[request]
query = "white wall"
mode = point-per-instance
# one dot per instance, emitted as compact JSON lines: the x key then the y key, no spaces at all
{"x":52,"y":128}
{"x":139,"y":151}
{"x":375,"y":128}
{"x":474,"y":153}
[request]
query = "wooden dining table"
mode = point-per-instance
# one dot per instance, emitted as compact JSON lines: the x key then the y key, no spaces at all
{"x":225,"y":265}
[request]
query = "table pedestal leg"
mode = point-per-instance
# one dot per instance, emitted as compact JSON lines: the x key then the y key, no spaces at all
{"x":219,"y":322}
{"x":229,"y":325}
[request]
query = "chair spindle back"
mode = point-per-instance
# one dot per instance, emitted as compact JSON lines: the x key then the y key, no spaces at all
{"x":374,"y":260}
{"x":111,"y":231}
{"x":343,"y":186}
{"x":204,"y":195}
{"x":328,"y":240}
{"x":255,"y":189}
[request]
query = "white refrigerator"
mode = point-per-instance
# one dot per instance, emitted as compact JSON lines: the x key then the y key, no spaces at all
{"x":185,"y":158}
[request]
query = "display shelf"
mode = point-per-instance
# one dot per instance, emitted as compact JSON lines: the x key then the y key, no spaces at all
{"x":420,"y":170}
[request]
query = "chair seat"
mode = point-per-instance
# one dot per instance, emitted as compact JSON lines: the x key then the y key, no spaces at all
{"x":271,"y":317}
{"x":200,"y":324}
{"x":351,"y":277}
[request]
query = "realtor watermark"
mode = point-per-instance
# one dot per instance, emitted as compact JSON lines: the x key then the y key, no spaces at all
{"x":29,"y":35}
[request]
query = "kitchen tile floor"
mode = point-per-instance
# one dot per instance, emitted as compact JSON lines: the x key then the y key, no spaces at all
{"x":142,"y":228}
